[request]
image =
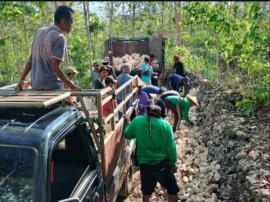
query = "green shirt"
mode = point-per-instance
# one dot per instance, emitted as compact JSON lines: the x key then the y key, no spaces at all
{"x":157,"y":145}
{"x":183,"y":103}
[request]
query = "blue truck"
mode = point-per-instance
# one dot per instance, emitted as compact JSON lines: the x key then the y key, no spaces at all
{"x":51,"y":151}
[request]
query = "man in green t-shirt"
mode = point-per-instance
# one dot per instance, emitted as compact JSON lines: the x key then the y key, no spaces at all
{"x":156,"y":152}
{"x":180,"y":107}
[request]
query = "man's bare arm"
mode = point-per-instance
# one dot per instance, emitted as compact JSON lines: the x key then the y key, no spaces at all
{"x":55,"y":65}
{"x":26,"y":70}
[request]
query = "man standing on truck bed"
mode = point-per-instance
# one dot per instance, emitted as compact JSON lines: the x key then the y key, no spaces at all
{"x":48,"y":51}
{"x":156,"y":152}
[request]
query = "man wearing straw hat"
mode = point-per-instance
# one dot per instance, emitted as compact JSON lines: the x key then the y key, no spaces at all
{"x":180,"y":108}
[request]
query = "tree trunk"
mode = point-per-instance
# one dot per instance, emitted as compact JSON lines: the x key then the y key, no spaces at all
{"x":133,"y":18}
{"x":170,"y":18}
{"x":123,"y":18}
{"x":55,"y":4}
{"x":162,"y":17}
{"x":177,"y":21}
{"x":86,"y":22}
{"x":110,"y":18}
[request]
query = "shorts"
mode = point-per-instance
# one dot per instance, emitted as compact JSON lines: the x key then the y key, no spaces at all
{"x":160,"y":172}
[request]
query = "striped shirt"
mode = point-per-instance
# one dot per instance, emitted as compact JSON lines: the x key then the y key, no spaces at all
{"x":49,"y":42}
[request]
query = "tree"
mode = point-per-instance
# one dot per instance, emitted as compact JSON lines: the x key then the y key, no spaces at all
{"x":86,"y":21}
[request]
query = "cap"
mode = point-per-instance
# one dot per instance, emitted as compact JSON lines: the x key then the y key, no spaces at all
{"x":193,"y":100}
{"x":71,"y":70}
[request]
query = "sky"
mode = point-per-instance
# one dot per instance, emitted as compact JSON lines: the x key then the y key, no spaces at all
{"x":95,"y":7}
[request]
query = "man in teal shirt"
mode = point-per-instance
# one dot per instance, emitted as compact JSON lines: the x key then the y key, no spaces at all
{"x":156,"y":152}
{"x":180,"y":107}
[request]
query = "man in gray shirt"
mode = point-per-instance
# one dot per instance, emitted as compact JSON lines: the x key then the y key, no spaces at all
{"x":48,"y":51}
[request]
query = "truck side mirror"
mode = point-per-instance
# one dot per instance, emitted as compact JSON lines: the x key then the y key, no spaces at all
{"x":73,"y":199}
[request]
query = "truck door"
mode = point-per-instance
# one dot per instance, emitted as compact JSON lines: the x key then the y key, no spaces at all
{"x":74,"y":169}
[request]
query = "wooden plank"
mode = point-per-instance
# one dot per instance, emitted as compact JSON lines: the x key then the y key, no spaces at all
{"x":33,"y":99}
{"x":26,"y":99}
{"x":56,"y":99}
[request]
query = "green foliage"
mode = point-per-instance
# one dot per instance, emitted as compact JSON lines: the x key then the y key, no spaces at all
{"x":240,"y":35}
{"x":232,"y":37}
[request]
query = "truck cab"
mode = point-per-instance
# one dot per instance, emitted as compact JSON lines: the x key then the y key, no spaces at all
{"x":51,"y":151}
{"x":45,"y":154}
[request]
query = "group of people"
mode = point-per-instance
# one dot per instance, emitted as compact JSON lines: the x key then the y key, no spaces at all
{"x":156,"y":148}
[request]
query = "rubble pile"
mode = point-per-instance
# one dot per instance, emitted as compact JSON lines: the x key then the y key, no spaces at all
{"x":135,"y":60}
{"x":239,"y":144}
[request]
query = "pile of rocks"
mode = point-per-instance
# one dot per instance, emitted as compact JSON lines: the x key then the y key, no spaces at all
{"x":239,"y":144}
{"x":135,"y":60}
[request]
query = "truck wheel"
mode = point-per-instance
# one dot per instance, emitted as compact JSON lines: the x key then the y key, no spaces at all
{"x":127,"y":184}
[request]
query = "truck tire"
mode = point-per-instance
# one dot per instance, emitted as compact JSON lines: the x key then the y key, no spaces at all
{"x":126,"y":187}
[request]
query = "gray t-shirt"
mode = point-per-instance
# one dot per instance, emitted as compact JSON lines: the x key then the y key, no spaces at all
{"x":49,"y":42}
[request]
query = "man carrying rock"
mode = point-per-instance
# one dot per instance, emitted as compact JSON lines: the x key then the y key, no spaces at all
{"x":156,"y":152}
{"x":175,"y":82}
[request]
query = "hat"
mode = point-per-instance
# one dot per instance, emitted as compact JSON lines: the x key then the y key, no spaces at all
{"x":97,"y":63}
{"x":103,"y":68}
{"x":72,"y":69}
{"x":110,"y":79}
{"x":193,"y":100}
{"x":106,"y":61}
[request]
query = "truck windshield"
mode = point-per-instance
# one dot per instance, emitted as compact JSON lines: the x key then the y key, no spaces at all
{"x":16,"y":174}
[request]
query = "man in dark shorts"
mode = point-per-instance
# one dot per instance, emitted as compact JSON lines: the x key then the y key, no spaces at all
{"x":156,"y":152}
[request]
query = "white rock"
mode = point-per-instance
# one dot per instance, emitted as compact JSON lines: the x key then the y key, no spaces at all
{"x":214,"y":197}
{"x":196,"y":162}
{"x":203,"y":169}
{"x":184,"y":197}
{"x":189,"y":191}
{"x":217,"y":167}
{"x":185,"y":179}
{"x":217,"y":177}
{"x":195,"y":189}
{"x":196,"y":152}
